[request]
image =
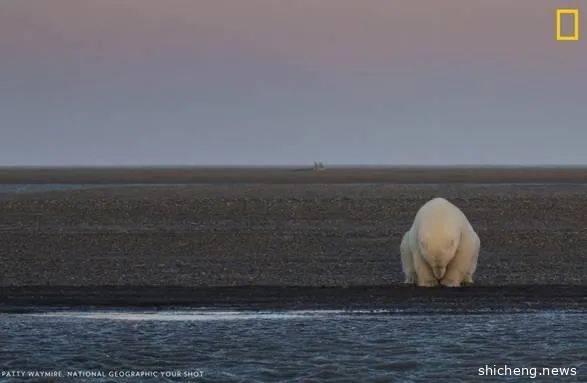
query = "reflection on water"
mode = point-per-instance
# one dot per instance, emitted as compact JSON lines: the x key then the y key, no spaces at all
{"x":209,"y":315}
{"x":294,"y":345}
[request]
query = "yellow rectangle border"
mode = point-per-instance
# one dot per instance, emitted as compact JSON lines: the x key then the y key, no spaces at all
{"x":575,"y":14}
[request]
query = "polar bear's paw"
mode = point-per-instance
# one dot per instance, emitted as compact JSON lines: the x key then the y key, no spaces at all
{"x":410,"y":279}
{"x":450,"y":283}
{"x":428,"y":283}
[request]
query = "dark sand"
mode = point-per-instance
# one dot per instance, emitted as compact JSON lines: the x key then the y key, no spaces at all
{"x":397,"y":299}
{"x":185,"y":244}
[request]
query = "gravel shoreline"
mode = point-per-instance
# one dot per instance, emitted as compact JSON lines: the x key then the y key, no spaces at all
{"x":297,"y":235}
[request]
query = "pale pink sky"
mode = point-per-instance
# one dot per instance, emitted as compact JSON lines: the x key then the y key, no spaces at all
{"x":107,"y":82}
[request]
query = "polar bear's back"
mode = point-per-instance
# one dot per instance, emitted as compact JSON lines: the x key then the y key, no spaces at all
{"x":438,"y":219}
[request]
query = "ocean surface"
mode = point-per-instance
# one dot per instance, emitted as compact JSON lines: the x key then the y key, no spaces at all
{"x":314,"y":346}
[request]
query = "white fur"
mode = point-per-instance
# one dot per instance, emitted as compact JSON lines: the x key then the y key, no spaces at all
{"x":440,"y":247}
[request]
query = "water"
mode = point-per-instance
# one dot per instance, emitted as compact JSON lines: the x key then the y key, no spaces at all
{"x":227,"y":346}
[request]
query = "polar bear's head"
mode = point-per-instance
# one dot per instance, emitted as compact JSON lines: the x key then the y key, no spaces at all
{"x":438,"y":252}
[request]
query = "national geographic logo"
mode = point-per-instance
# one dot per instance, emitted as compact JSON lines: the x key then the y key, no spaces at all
{"x":567,"y":24}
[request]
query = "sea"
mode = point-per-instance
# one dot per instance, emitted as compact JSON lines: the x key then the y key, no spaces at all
{"x":208,"y":345}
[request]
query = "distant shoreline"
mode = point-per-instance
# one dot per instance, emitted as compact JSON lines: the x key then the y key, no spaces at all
{"x":293,"y":175}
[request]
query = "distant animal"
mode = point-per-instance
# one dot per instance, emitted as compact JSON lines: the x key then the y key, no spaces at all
{"x":441,"y":247}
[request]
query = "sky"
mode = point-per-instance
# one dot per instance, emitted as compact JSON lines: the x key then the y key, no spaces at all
{"x":281,"y":82}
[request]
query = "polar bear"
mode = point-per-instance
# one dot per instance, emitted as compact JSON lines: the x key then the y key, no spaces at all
{"x":440,"y":247}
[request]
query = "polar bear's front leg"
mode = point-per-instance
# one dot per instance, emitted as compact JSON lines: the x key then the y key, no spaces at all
{"x":407,"y":260}
{"x":423,"y":271}
{"x":456,"y":271}
{"x":462,"y":267}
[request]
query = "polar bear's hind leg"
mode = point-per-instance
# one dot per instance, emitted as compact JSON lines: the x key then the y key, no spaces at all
{"x":468,"y":280}
{"x":407,"y":261}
